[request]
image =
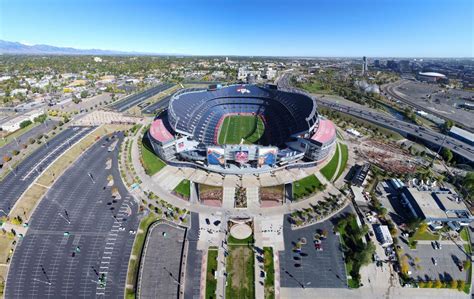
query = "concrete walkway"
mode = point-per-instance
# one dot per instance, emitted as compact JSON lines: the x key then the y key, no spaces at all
{"x":155,"y":184}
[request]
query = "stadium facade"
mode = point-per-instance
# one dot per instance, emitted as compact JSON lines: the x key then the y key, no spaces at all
{"x":187,"y":133}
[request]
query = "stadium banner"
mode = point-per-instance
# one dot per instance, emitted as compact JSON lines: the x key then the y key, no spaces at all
{"x":183,"y":144}
{"x":215,"y":156}
{"x":267,"y":156}
{"x":241,"y":156}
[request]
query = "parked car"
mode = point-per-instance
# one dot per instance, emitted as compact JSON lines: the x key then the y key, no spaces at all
{"x":435,"y":262}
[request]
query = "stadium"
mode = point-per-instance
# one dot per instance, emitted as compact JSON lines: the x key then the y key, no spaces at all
{"x":241,"y":129}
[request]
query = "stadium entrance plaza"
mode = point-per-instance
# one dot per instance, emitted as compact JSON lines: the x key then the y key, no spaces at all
{"x":268,"y":222}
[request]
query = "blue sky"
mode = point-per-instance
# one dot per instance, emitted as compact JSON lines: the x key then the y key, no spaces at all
{"x":402,"y":28}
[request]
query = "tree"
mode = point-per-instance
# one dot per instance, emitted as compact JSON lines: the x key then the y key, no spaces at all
{"x":75,"y":99}
{"x":461,"y":284}
{"x":40,"y":119}
{"x":6,"y":158}
{"x":447,"y":125}
{"x":453,"y":284}
{"x":84,"y":94}
{"x":25,"y":123}
{"x":423,"y":227}
{"x":467,"y":264}
{"x":438,"y":284}
{"x":447,"y":154}
{"x":404,"y":265}
{"x":468,"y":183}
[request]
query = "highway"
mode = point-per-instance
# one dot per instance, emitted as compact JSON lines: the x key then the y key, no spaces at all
{"x":20,"y":178}
{"x":137,"y":98}
{"x":405,"y":128}
{"x":78,"y":233}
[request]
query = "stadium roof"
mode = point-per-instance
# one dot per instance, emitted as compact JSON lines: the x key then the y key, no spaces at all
{"x":159,"y":131}
{"x":325,"y":132}
{"x":432,"y":74}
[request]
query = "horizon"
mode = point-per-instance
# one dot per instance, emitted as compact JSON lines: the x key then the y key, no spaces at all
{"x":337,"y":29}
{"x":115,"y":52}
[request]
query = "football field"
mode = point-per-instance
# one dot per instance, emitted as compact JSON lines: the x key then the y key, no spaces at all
{"x":234,"y":128}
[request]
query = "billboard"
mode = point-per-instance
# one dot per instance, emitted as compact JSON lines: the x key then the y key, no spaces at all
{"x":215,"y":156}
{"x":241,"y":156}
{"x":267,"y":156}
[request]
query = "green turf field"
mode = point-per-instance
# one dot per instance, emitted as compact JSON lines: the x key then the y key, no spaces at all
{"x":238,"y":127}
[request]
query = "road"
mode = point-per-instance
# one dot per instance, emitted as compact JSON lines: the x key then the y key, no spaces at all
{"x":192,"y":281}
{"x":137,"y":98}
{"x":43,"y":265}
{"x":16,"y":145}
{"x":164,"y":103}
{"x":430,"y":137}
{"x":20,"y":178}
{"x":161,"y":104}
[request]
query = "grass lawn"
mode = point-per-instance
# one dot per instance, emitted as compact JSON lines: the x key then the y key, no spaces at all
{"x":464,"y":234}
{"x":211,"y":281}
{"x":133,"y":264}
{"x":241,"y":273}
{"x":233,"y":241}
{"x":316,"y":87}
{"x":344,"y":157}
{"x":425,"y":236}
{"x":10,"y":137}
{"x":330,"y":168}
{"x":238,"y":127}
{"x":184,"y":188}
{"x":151,"y":162}
{"x":306,"y":186}
{"x":269,"y":268}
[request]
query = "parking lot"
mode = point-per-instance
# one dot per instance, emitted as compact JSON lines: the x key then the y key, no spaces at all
{"x":434,"y":98}
{"x":311,"y":268}
{"x":161,"y":261}
{"x":77,"y":234}
{"x":447,"y":258}
{"x":20,"y":178}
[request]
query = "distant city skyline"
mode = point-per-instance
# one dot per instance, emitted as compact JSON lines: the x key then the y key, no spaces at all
{"x":437,"y":28}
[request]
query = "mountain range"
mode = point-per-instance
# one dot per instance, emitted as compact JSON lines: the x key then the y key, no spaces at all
{"x":16,"y":48}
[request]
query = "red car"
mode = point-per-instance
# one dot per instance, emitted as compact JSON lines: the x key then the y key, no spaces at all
{"x":318,"y":247}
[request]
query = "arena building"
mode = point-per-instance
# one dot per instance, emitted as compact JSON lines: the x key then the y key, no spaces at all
{"x":242,"y":129}
{"x":432,"y":77}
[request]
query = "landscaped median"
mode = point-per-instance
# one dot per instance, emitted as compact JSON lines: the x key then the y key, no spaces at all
{"x":269,"y":268}
{"x":240,"y":268}
{"x":211,"y":281}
